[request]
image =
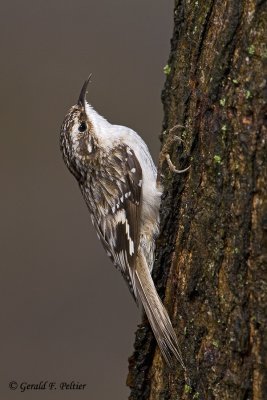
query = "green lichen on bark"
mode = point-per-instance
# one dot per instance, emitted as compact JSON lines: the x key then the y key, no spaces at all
{"x":211,"y":253}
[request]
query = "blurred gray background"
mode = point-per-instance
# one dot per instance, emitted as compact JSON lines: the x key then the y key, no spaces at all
{"x":66,"y":313}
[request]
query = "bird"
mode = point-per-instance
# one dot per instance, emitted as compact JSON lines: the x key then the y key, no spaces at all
{"x":118,"y":180}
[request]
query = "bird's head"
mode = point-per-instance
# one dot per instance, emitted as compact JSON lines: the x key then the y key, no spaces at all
{"x":78,"y":141}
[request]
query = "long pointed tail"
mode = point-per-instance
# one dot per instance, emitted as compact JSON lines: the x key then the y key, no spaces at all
{"x":157,"y":314}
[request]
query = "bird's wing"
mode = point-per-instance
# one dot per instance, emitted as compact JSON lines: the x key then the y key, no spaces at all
{"x":119,"y":225}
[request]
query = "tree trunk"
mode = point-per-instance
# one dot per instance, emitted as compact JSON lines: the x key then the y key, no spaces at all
{"x":211,"y":252}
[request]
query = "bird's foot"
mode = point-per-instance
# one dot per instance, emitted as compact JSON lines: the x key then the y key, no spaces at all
{"x":165,"y":156}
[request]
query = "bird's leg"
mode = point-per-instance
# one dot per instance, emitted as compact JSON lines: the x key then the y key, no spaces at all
{"x":165,"y":156}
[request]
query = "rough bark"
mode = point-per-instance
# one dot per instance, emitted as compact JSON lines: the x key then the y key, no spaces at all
{"x":211,"y":254}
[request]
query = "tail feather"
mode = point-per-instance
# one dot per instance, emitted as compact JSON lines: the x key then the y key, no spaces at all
{"x":157,"y":314}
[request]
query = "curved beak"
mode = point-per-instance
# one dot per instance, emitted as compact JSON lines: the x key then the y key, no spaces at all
{"x":82,"y":97}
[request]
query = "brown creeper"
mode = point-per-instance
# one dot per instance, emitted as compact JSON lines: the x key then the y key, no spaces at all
{"x":117,"y":178}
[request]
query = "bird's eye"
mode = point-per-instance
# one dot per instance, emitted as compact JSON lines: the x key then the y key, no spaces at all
{"x":82,"y":127}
